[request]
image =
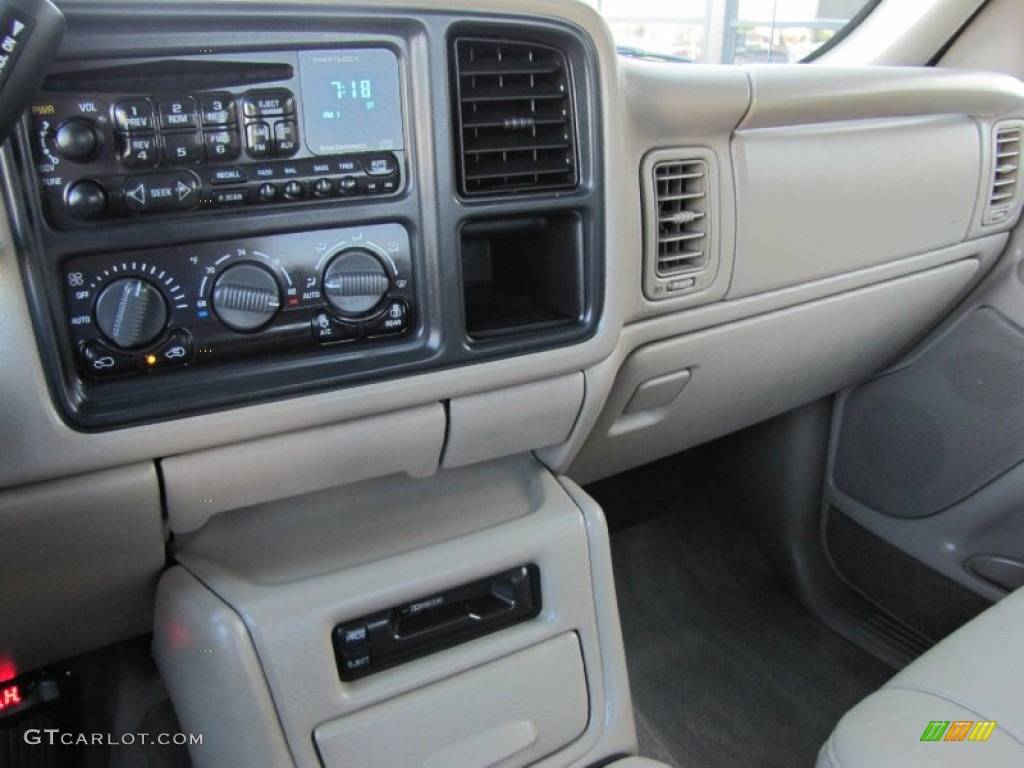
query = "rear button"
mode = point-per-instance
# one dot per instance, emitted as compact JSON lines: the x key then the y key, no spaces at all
{"x":395,"y":320}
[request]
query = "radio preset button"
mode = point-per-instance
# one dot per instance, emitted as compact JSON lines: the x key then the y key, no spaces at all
{"x":228,"y":175}
{"x":133,"y":115}
{"x":183,"y":148}
{"x":139,"y":152}
{"x":218,"y":109}
{"x":222,"y":145}
{"x":177,"y":191}
{"x":286,"y":138}
{"x":178,"y":113}
{"x":270,"y":103}
{"x":86,"y":199}
{"x":257,"y":140}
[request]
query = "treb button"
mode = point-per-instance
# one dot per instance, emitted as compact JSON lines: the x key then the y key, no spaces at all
{"x":177,"y":191}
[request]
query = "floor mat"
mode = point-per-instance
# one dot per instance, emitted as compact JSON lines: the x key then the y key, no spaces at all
{"x":726,"y":668}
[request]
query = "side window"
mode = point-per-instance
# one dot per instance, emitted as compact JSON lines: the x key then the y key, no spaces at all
{"x":727,"y":31}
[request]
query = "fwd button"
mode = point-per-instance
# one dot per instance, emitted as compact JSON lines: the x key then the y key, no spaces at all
{"x":173,"y":191}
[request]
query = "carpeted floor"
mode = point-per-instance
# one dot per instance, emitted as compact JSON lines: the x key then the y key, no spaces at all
{"x":726,"y":668}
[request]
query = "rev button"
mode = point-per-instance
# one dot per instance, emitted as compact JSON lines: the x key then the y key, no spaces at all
{"x":177,"y":191}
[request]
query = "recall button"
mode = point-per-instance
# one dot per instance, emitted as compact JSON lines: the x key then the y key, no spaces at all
{"x":228,"y":175}
{"x":178,"y":191}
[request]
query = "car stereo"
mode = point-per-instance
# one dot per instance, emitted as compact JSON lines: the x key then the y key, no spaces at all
{"x":249,"y":129}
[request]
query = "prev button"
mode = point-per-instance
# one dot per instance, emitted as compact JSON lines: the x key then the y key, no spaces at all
{"x":175,"y":191}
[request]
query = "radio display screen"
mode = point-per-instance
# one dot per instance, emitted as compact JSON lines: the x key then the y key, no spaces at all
{"x":351,"y":100}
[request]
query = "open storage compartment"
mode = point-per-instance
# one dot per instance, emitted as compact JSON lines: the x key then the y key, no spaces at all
{"x":522,"y":274}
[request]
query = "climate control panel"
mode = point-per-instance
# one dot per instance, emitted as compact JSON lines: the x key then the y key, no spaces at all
{"x":195,"y":305}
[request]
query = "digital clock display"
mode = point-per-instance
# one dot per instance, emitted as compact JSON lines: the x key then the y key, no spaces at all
{"x":351,"y":100}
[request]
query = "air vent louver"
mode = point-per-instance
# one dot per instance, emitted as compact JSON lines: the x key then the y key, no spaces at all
{"x":680,"y":196}
{"x":516,"y":122}
{"x":1005,"y":174}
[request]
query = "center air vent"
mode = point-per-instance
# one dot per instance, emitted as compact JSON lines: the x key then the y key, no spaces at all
{"x":515,"y":109}
{"x":678,"y":221}
{"x":1005,"y":174}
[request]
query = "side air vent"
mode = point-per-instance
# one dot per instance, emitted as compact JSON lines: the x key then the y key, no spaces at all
{"x":680,"y":194}
{"x":1006,"y":175}
{"x":516,"y":131}
{"x":678,"y":217}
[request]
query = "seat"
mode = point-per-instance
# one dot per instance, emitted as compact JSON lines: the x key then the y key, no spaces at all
{"x":935,"y":711}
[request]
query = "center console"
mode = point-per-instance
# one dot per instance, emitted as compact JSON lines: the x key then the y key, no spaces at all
{"x":216,"y":225}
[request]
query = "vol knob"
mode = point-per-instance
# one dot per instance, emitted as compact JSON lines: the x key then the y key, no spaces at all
{"x":246,"y":297}
{"x":131,"y":312}
{"x":77,"y":140}
{"x":355,"y":282}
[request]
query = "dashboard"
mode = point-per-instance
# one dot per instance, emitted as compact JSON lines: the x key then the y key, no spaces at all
{"x":280,"y":212}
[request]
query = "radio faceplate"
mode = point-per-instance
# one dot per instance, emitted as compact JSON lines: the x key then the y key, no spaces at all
{"x":199,"y":304}
{"x":275,"y":128}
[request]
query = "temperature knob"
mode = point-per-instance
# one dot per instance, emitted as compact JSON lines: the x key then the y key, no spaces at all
{"x":131,"y":312}
{"x":355,"y":282}
{"x":246,"y":297}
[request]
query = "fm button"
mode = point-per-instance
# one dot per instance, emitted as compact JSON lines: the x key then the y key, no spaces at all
{"x":155,"y":192}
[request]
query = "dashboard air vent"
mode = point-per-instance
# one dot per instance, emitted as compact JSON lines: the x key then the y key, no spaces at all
{"x":515,"y":111}
{"x":680,"y":187}
{"x":681,"y":198}
{"x":1006,"y":176}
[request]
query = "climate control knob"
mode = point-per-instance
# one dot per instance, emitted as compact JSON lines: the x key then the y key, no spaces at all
{"x":246,"y":297}
{"x":355,"y":282}
{"x":131,"y":312}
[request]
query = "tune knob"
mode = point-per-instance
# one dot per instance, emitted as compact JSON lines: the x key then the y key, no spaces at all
{"x":355,"y":282}
{"x":77,"y":140}
{"x":131,"y":312}
{"x":246,"y":297}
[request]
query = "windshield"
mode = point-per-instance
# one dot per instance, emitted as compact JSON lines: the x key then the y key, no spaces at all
{"x":726,"y":31}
